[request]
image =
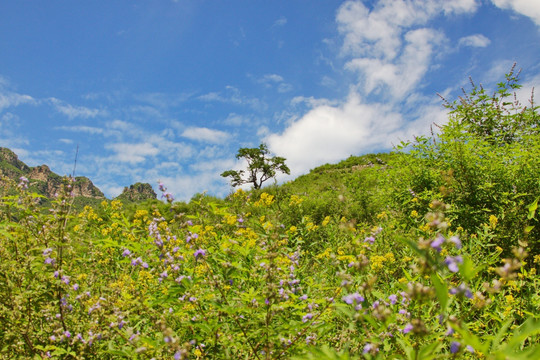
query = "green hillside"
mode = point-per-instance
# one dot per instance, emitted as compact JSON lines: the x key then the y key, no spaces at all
{"x":429,"y":252}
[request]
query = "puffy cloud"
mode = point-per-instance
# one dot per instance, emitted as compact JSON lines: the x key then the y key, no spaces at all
{"x":133,"y":153}
{"x":205,"y":134}
{"x":390,"y":48}
{"x":403,"y":74}
{"x":529,"y":8}
{"x":331,"y":133}
{"x":477,"y":40}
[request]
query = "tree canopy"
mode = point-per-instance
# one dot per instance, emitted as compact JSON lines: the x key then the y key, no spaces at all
{"x":261,"y":167}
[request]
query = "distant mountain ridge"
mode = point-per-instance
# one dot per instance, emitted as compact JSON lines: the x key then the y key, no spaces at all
{"x":47,"y":183}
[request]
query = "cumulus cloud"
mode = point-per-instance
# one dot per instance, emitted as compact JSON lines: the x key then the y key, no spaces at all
{"x":529,"y":8}
{"x":477,"y":40}
{"x":205,"y":134}
{"x":390,"y":47}
{"x":330,"y":133}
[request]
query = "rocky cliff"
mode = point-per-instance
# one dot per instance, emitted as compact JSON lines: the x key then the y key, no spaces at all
{"x":138,"y":192}
{"x":42,"y":179}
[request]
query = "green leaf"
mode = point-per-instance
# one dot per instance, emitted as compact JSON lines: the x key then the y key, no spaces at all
{"x":441,"y":290}
{"x":532,"y":208}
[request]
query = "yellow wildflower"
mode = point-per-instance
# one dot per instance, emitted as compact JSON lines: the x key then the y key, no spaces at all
{"x":493,"y":221}
{"x":326,"y":221}
{"x":295,"y":200}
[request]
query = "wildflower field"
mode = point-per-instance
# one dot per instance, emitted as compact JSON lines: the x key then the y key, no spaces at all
{"x":429,"y":252}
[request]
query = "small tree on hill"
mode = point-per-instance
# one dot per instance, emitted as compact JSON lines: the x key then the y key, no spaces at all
{"x":260,"y":167}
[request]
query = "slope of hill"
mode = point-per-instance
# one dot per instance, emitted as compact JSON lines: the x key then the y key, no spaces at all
{"x":47,"y":183}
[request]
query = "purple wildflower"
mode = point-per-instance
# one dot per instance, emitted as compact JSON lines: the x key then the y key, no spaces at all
{"x":454,"y":347}
{"x":407,"y":328}
{"x":162,"y":187}
{"x":369,"y":239}
{"x":456,"y":241}
{"x":393,"y":299}
{"x":462,"y":289}
{"x":199,"y":252}
{"x":453,"y":262}
{"x":126,"y":252}
{"x":436,"y":244}
{"x":369,"y":348}
{"x":353,"y":298}
{"x":307,"y":317}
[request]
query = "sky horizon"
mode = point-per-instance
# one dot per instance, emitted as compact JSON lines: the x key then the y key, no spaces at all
{"x":169,"y":90}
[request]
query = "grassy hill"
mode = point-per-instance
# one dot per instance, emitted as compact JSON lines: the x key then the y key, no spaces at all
{"x":428,"y":252}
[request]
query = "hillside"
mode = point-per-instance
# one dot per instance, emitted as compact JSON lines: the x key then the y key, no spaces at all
{"x":429,"y":252}
{"x":47,"y":183}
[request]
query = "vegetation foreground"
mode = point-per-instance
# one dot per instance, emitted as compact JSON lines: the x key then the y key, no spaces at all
{"x":430,"y":252}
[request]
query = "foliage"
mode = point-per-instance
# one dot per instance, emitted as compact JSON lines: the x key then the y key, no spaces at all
{"x":413,"y":257}
{"x":260,"y":167}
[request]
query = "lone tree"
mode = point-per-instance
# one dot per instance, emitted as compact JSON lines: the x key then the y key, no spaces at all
{"x":260,"y":167}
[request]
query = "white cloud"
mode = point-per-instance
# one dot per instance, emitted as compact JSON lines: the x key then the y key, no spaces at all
{"x":11,"y":99}
{"x":328,"y":134}
{"x":403,"y":74}
{"x":271,"y":78}
{"x":391,"y":48}
{"x":133,"y":153}
{"x":83,"y":129}
{"x":477,"y":40}
{"x":529,"y":8}
{"x":275,"y":80}
{"x":73,"y":112}
{"x":205,"y":134}
{"x":280,"y":22}
{"x":237,"y":119}
{"x":233,"y":96}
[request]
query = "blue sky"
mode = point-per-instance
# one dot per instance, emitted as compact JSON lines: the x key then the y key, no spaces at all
{"x":169,"y":90}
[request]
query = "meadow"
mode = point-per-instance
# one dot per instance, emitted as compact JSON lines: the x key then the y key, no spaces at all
{"x":429,"y":252}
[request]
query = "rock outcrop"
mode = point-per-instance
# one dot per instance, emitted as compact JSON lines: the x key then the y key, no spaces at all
{"x":42,"y":179}
{"x":137,"y":192}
